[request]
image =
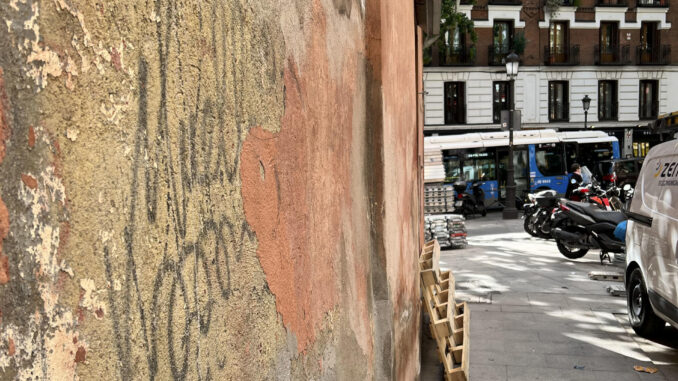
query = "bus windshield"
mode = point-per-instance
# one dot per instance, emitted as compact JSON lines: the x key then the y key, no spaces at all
{"x":479,"y":166}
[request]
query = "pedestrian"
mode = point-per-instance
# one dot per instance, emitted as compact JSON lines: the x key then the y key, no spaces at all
{"x":575,"y":180}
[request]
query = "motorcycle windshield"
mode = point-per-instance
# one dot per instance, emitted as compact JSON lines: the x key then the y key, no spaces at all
{"x":586,"y":175}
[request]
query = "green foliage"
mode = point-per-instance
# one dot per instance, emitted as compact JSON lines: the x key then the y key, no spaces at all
{"x":452,"y":19}
{"x":519,"y":42}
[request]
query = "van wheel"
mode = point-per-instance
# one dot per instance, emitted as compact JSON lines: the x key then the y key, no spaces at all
{"x":641,"y":316}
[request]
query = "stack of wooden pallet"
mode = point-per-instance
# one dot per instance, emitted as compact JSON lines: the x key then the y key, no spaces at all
{"x":450,"y":322}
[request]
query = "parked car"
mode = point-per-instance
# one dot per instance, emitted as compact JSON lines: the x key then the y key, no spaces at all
{"x":619,"y":171}
{"x":652,"y":243}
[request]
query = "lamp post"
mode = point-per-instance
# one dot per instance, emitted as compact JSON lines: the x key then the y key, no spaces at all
{"x":586,"y":103}
{"x":510,"y":212}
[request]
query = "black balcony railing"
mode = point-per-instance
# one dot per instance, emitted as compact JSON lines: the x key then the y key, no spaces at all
{"x":566,"y":56}
{"x":456,"y":57}
{"x":612,"y":55}
{"x":648,"y":55}
{"x":496,"y":55}
{"x":611,"y":3}
{"x":653,"y":3}
{"x":505,"y":2}
{"x":563,"y":3}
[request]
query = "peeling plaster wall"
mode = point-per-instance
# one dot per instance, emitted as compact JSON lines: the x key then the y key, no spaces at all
{"x":208,"y":190}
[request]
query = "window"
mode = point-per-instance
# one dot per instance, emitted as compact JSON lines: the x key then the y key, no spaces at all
{"x":607,"y":100}
{"x":501,"y":99}
{"x":648,"y":51}
{"x":455,"y":104}
{"x":590,"y":154}
{"x":558,"y":42}
{"x":520,"y":168}
{"x":649,"y":102}
{"x":452,"y":165}
{"x":502,"y":40}
{"x":454,"y":49}
{"x":558,"y":101}
{"x":549,"y":159}
{"x":609,"y":45}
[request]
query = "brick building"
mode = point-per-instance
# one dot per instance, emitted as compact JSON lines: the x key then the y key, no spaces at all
{"x":618,"y":52}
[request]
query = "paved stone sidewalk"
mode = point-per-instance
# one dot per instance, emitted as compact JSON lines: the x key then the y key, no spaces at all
{"x":535,"y":315}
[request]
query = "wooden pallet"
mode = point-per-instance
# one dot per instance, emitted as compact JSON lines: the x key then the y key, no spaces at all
{"x":606,"y":275}
{"x":457,"y":359}
{"x":450,"y":321}
{"x":429,"y":264}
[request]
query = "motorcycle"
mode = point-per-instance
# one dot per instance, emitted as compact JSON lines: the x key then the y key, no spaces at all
{"x":469,"y":203}
{"x":537,"y":210}
{"x":582,"y":226}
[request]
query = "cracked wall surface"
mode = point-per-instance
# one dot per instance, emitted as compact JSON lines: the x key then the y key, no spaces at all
{"x":208,"y":190}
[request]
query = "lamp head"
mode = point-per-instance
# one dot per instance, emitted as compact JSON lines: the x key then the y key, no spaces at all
{"x":586,"y":102}
{"x":512,"y":63}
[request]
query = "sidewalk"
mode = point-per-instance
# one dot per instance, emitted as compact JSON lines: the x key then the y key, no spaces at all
{"x":535,"y":315}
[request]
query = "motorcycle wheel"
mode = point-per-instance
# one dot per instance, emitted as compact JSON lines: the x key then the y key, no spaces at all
{"x":528,"y":225}
{"x":540,"y":223}
{"x":568,"y":252}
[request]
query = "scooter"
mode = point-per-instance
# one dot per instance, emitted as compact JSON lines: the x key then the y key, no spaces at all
{"x":469,"y":203}
{"x":537,"y":211}
{"x":581,"y":226}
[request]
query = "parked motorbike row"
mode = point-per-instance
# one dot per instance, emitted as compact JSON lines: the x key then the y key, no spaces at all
{"x":593,"y":218}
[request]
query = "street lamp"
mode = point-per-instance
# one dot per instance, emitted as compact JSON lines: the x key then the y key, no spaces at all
{"x":586,"y":103}
{"x":510,"y":212}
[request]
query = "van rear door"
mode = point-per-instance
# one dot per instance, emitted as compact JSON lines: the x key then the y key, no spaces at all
{"x":658,"y":198}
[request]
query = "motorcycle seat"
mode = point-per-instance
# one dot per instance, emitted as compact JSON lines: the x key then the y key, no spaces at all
{"x":597,"y":213}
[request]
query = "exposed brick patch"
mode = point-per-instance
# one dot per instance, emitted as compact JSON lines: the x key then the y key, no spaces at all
{"x":81,"y":354}
{"x":11,"y":348}
{"x":31,"y":136}
{"x":115,"y":59}
{"x":30,"y":181}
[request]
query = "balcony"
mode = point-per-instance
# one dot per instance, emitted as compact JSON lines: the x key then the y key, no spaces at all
{"x":561,"y":56}
{"x":562,"y":3}
{"x":648,"y":55}
{"x":456,"y":57}
{"x":505,"y":2}
{"x":653,"y":3}
{"x":612,"y":3}
{"x":614,"y":55}
{"x":496,"y":55}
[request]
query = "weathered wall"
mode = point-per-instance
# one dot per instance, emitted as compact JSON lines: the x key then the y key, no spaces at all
{"x":208,"y":190}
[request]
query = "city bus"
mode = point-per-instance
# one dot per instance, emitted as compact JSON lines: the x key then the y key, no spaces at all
{"x":542,"y":159}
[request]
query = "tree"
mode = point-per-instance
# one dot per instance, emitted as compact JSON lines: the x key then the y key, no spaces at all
{"x":452,"y":20}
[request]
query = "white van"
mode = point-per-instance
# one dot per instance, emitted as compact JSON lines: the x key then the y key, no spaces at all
{"x":652,"y":243}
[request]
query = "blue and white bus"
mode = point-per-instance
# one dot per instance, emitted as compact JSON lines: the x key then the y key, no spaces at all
{"x":542,"y":158}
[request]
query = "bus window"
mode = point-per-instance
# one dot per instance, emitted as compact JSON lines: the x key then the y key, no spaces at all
{"x":592,"y":153}
{"x":571,"y":155}
{"x":550,"y":160}
{"x":452,"y":168}
{"x":520,"y":171}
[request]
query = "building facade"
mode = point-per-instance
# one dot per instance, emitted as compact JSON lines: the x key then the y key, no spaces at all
{"x":618,"y":52}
